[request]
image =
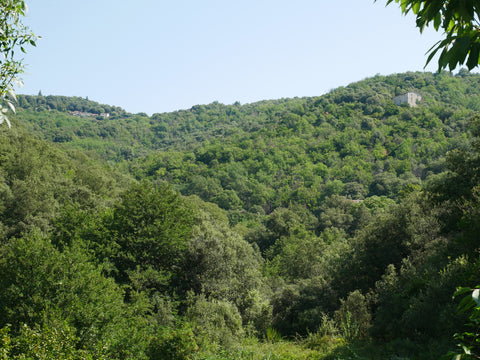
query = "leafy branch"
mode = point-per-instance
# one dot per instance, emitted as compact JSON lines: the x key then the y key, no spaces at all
{"x":14,"y":36}
{"x":468,"y":341}
{"x":459,"y":21}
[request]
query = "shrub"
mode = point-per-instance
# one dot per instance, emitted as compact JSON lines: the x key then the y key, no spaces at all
{"x":353,"y":317}
{"x":173,"y":344}
{"x":217,"y":323}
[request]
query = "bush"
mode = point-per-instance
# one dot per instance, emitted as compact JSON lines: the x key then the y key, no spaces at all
{"x":173,"y":344}
{"x":45,"y":342}
{"x":353,"y":317}
{"x":217,"y":323}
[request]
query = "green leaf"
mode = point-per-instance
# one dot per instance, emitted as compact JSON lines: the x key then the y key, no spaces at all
{"x":459,"y":51}
{"x":451,"y":26}
{"x":465,"y":304}
{"x":416,"y":8}
{"x":437,"y":20}
{"x":473,"y":56}
{"x":461,"y":291}
{"x":433,"y":51}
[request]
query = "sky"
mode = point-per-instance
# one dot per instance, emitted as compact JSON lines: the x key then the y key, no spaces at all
{"x":157,"y":56}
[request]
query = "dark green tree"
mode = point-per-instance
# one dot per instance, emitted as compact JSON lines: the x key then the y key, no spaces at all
{"x":221,"y":265}
{"x":64,"y":291}
{"x":151,"y":226}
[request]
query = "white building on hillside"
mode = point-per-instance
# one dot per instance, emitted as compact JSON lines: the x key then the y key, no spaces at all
{"x":411,"y":98}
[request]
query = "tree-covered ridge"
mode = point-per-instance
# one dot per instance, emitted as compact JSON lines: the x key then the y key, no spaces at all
{"x":353,"y":141}
{"x":187,"y":129}
{"x":66,"y":104}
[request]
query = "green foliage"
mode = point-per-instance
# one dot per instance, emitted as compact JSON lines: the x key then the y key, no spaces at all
{"x":240,"y":158}
{"x":343,"y":219}
{"x":216,"y":323}
{"x":300,"y":307}
{"x":296,"y":256}
{"x":353,"y":316}
{"x":38,"y":180}
{"x":41,"y":285}
{"x":151,"y":226}
{"x":390,"y":237}
{"x":45,"y":342}
{"x":173,"y":344}
{"x":272,"y":335}
{"x":221,"y":265}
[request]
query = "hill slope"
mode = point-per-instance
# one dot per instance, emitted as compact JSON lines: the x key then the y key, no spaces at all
{"x":353,"y":141}
{"x":361,"y":217}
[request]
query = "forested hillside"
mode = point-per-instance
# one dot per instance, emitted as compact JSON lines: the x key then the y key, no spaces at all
{"x":307,"y":228}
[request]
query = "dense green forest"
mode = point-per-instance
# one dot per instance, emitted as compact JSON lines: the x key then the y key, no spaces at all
{"x":327,"y":227}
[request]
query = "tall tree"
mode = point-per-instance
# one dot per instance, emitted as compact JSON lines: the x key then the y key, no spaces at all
{"x":151,"y":226}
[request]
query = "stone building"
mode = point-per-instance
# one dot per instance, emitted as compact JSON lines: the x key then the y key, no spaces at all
{"x":411,"y":98}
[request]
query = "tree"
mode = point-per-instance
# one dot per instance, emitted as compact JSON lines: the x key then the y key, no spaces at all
{"x":151,"y":227}
{"x":13,"y":36}
{"x":61,"y":292}
{"x":221,"y":265}
{"x":460,"y":21}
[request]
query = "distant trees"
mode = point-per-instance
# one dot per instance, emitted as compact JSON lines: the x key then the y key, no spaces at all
{"x":66,"y":104}
{"x":355,"y":142}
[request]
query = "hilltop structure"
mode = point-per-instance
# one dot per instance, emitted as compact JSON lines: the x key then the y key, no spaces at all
{"x":411,"y":98}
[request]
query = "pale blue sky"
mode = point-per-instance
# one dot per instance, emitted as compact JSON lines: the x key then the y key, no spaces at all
{"x":158,"y":56}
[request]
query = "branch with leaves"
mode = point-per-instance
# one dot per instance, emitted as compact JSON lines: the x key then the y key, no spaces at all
{"x":14,"y":37}
{"x":468,"y":341}
{"x":459,"y":21}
